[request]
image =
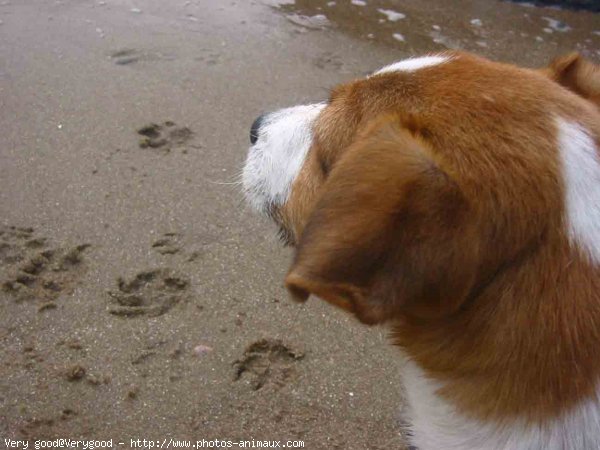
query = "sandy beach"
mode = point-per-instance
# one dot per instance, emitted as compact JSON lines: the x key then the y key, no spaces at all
{"x":140,"y":298}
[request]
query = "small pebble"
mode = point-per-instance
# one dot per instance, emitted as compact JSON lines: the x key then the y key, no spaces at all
{"x":201,"y":350}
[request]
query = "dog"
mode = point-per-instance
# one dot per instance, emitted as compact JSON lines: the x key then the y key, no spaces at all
{"x":458,"y":200}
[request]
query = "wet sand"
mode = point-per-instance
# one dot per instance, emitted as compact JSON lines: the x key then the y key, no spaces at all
{"x":139,"y":297}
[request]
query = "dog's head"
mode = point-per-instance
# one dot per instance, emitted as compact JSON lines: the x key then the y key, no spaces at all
{"x":409,"y":190}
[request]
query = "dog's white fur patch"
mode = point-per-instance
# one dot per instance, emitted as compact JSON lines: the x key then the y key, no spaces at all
{"x":274,"y":161}
{"x":581,"y":174}
{"x":433,"y":424}
{"x":414,"y":64}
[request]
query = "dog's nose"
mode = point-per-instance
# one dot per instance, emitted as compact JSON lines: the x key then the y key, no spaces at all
{"x":254,"y":129}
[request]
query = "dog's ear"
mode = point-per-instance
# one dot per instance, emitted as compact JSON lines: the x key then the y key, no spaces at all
{"x":577,"y":74}
{"x":392,"y":233}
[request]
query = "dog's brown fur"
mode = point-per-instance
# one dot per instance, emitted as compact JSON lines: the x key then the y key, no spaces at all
{"x":425,"y":203}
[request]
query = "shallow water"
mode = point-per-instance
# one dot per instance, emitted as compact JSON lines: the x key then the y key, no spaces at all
{"x":518,"y":32}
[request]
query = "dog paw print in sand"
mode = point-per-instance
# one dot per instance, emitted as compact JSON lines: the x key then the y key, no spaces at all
{"x":32,"y":269}
{"x":173,"y":244}
{"x":164,"y":136}
{"x":151,"y":293}
{"x":267,"y":362}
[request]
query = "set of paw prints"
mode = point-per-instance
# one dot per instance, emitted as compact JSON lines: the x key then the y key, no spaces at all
{"x":32,"y":269}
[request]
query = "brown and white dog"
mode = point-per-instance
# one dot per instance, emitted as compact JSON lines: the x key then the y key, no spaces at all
{"x":457,"y":199}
